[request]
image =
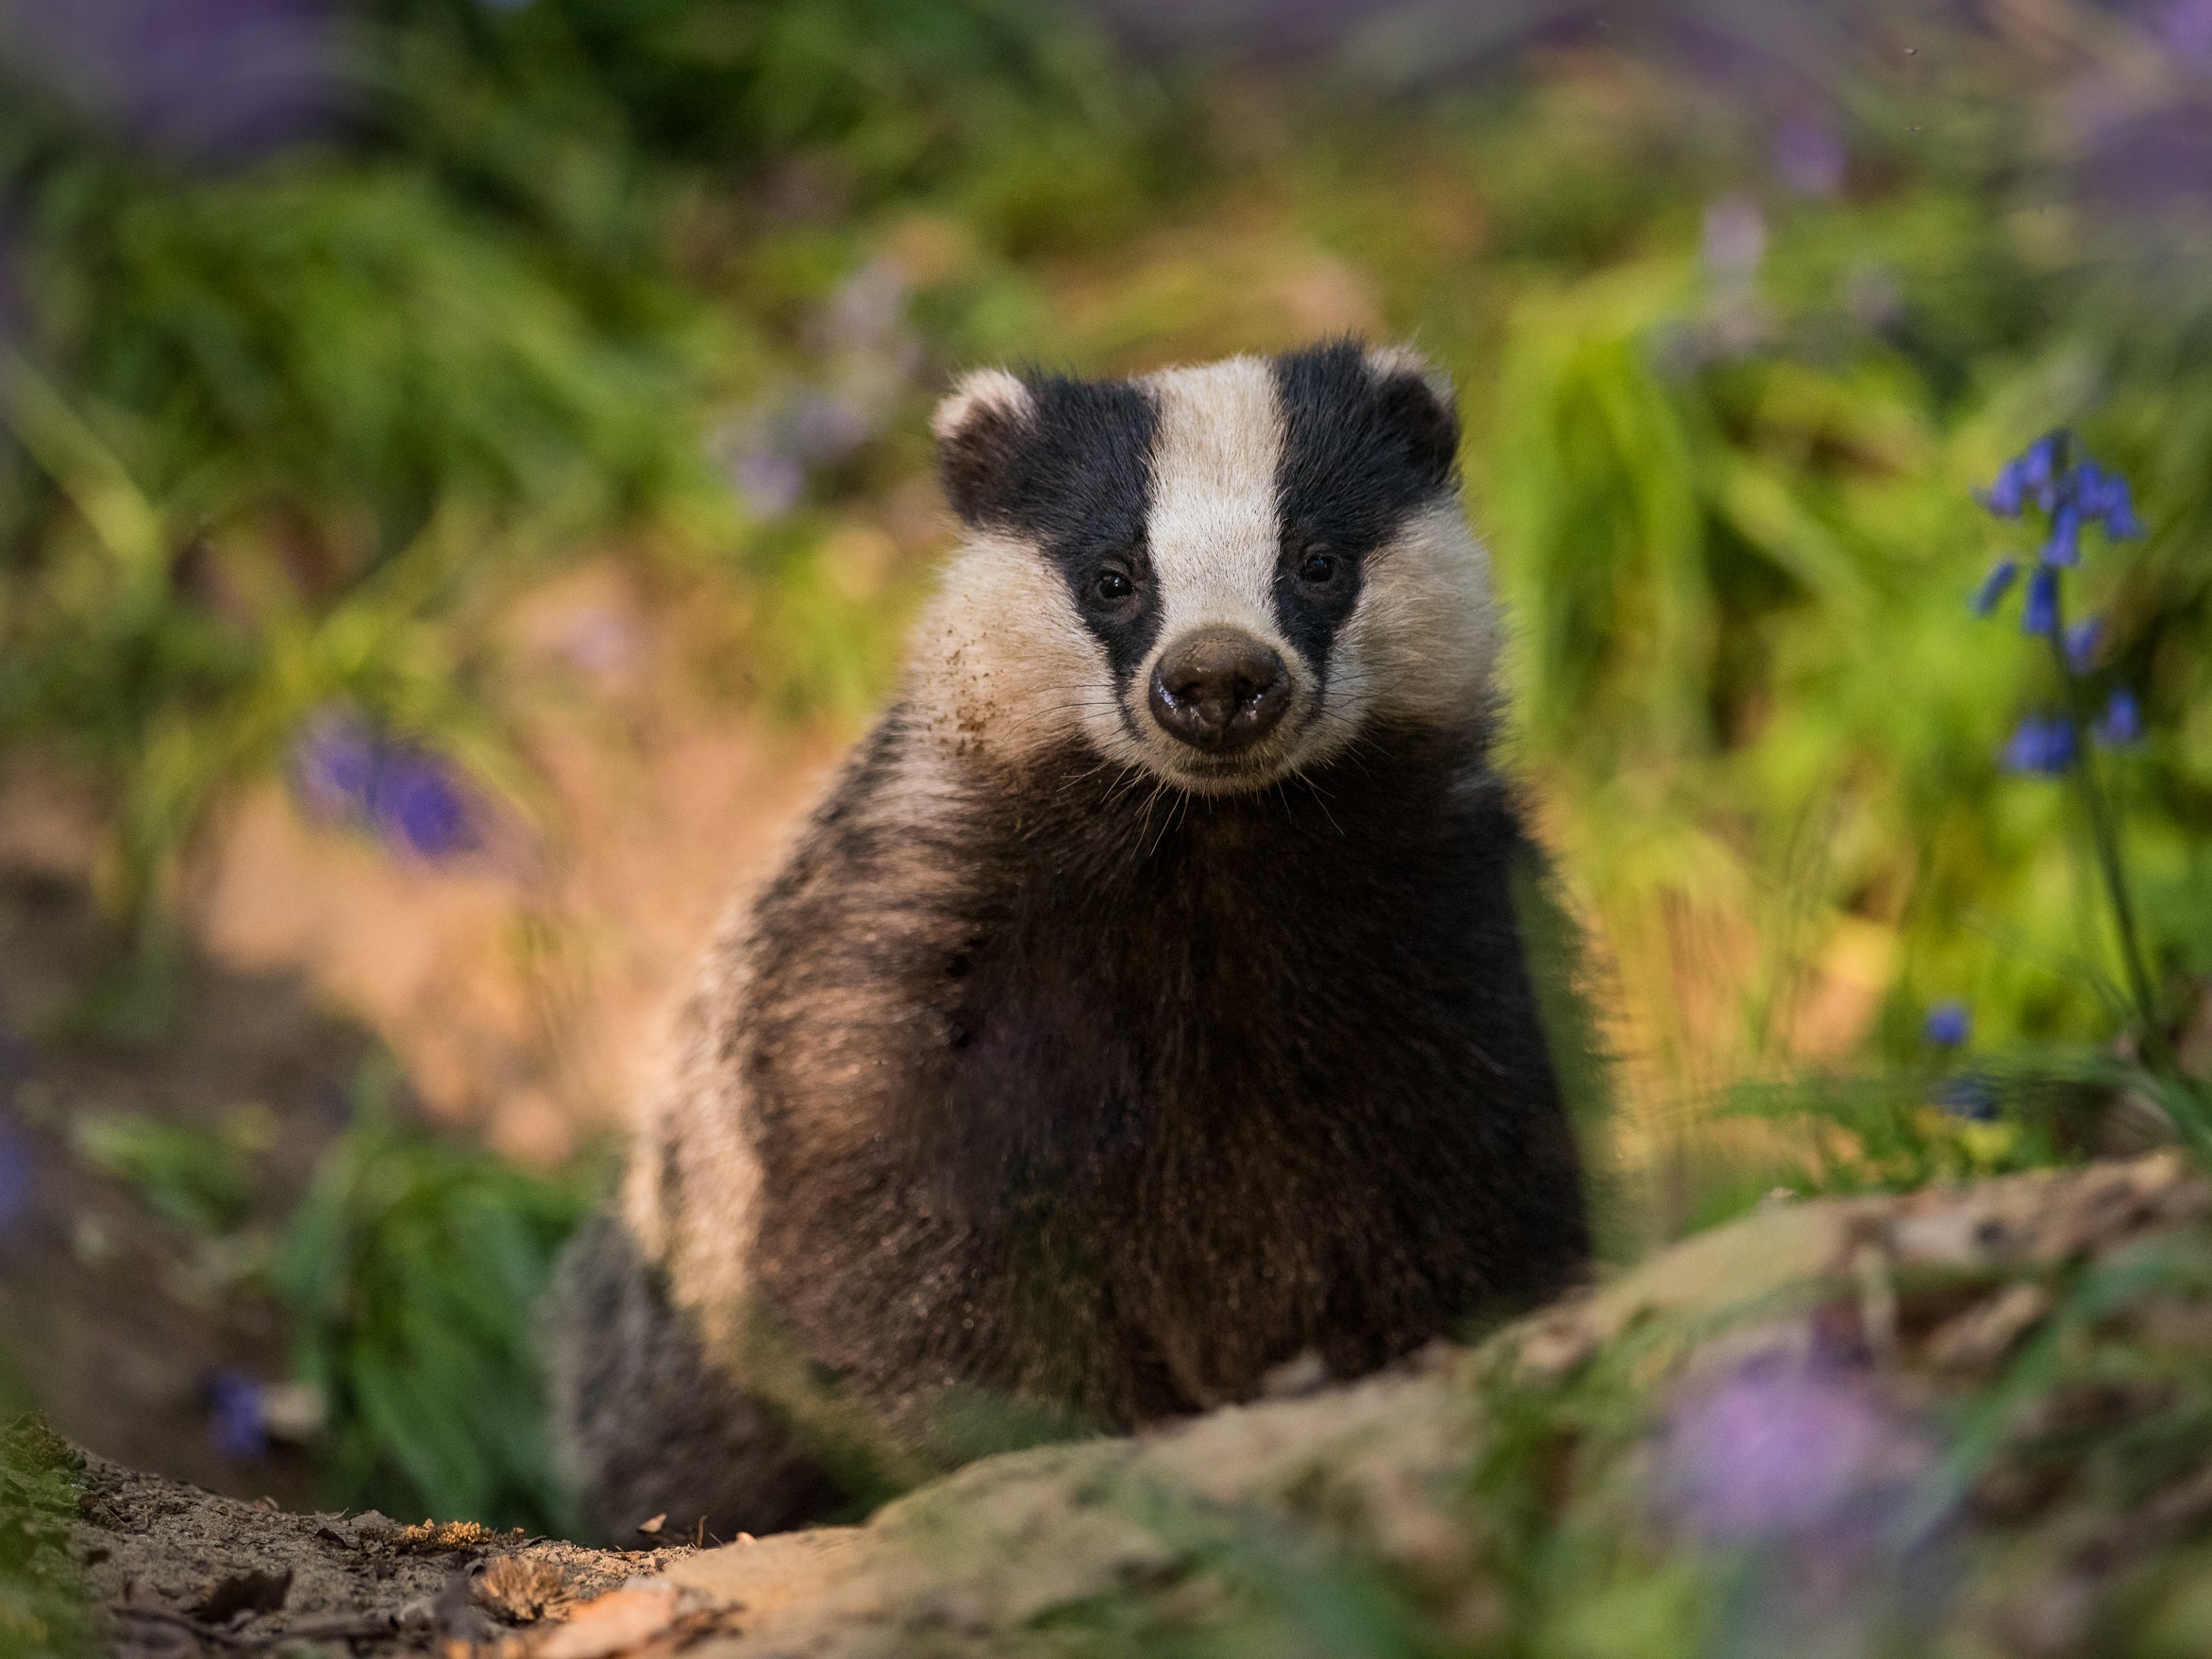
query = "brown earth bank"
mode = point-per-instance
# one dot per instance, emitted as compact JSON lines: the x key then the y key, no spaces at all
{"x":1970,"y":1429}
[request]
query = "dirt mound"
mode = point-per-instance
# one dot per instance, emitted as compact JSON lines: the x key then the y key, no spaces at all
{"x":1970,"y":1420}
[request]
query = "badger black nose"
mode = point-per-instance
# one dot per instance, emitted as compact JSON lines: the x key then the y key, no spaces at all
{"x":1219,"y":690}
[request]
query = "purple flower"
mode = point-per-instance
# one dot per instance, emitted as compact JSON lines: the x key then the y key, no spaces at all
{"x":238,"y":1422}
{"x":2186,"y":25}
{"x":422,"y":809}
{"x":346,"y":772}
{"x":2083,"y":493}
{"x":2104,"y":498}
{"x":1949,"y":1025}
{"x":2064,"y":546}
{"x":2041,"y":746}
{"x":771,"y":481}
{"x":209,"y":78}
{"x":1779,"y":1449}
{"x":334,"y":766}
{"x":2040,"y":613}
{"x":2007,"y":495}
{"x":19,"y":1178}
{"x":2081,"y":641}
{"x":1809,"y":158}
{"x":2123,"y":719}
{"x":2028,"y":476}
{"x":1996,"y":585}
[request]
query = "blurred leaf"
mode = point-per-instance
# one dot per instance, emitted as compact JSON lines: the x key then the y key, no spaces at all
{"x":413,"y":1272}
{"x":197,"y":1174}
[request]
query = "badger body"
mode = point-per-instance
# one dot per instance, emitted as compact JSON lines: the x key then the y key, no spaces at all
{"x":1145,"y":1007}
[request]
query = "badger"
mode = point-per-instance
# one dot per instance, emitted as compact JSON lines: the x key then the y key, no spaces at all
{"x":1147,"y":1006}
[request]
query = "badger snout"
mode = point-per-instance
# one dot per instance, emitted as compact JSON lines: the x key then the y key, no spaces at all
{"x":1219,"y":690}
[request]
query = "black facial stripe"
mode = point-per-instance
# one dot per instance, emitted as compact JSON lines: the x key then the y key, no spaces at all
{"x":1073,"y":473}
{"x":1361,"y":452}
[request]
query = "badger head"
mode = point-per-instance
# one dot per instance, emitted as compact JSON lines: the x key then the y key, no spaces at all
{"x":1222,"y":575}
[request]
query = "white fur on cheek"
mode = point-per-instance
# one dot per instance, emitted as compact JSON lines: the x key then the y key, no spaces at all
{"x":1420,"y":644}
{"x":1003,"y":664}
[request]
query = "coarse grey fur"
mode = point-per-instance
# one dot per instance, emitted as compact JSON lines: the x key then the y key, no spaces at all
{"x":1146,"y":1005}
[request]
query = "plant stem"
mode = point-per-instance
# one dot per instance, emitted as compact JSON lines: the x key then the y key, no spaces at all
{"x":2104,"y":838}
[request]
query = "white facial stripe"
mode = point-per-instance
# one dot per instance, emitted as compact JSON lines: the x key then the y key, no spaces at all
{"x":1212,"y":527}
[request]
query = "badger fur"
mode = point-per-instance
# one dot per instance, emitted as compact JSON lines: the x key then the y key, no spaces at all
{"x":1144,"y":1008}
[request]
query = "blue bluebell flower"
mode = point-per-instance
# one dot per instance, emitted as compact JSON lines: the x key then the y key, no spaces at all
{"x":1810,"y":158}
{"x":2029,"y":476}
{"x":238,"y":1418}
{"x":344,"y":771}
{"x":2042,"y":744}
{"x":2123,"y":719}
{"x":1950,"y":1025}
{"x":2063,"y":546}
{"x":2040,"y":613}
{"x":2081,"y":641}
{"x":421,"y":807}
{"x":1968,"y":1094}
{"x":1995,"y":585}
{"x":2073,"y":496}
{"x":2104,"y":498}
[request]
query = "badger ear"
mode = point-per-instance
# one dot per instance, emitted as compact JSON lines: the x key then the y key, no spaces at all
{"x":1417,"y":401}
{"x":979,"y":427}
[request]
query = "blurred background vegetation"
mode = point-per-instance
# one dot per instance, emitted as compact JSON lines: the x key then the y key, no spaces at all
{"x":335,"y":336}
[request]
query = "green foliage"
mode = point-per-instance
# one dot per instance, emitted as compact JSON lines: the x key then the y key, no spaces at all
{"x":283,"y":432}
{"x":43,"y":1610}
{"x":413,"y":1273}
{"x":200,"y":1176}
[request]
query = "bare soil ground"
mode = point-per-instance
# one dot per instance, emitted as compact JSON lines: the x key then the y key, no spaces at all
{"x":113,"y":1317}
{"x":182,"y":1571}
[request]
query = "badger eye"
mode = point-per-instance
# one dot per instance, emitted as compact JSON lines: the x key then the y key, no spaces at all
{"x":1317,"y":568}
{"x":1109,"y":587}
